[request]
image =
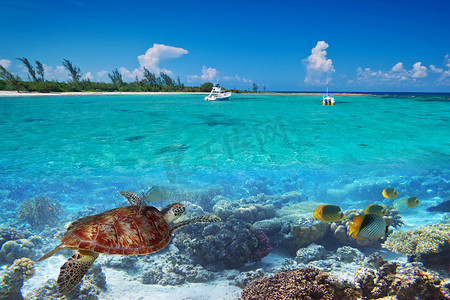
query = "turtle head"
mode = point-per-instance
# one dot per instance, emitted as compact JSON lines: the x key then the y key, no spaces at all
{"x":173,"y":211}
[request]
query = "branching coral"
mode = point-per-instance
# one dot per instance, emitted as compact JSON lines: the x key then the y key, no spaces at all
{"x":422,"y":240}
{"x":21,"y":270}
{"x":11,"y":234}
{"x":40,"y":211}
{"x":307,"y":283}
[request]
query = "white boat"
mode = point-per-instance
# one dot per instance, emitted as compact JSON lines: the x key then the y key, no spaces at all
{"x":327,"y":99}
{"x":217,"y":94}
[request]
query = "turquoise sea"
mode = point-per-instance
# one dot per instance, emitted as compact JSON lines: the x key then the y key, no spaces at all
{"x":82,"y":150}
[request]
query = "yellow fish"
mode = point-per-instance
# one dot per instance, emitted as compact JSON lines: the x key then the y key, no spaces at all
{"x":367,"y":227}
{"x":328,"y":213}
{"x":412,"y":201}
{"x":376,"y":209}
{"x":390,"y":193}
{"x":406,"y":202}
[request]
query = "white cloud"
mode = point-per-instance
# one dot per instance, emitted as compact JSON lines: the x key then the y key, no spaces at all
{"x":433,"y":69}
{"x":89,"y":76}
{"x":130,"y":75}
{"x":209,"y":74}
{"x":5,"y":63}
{"x":158,"y":52}
{"x":59,"y":73}
{"x":419,"y":71}
{"x":151,"y":60}
{"x":102,"y":73}
{"x":318,"y":64}
{"x":236,"y":78}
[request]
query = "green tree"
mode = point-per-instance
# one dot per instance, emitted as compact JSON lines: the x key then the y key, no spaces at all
{"x":29,"y":67}
{"x":150,"y":77}
{"x":255,"y":87}
{"x":12,"y":81}
{"x":116,"y":78}
{"x":206,"y":87}
{"x":40,"y":70}
{"x":75,"y":72}
{"x":167,"y":80}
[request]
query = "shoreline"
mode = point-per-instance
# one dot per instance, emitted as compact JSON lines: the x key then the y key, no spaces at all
{"x":27,"y":94}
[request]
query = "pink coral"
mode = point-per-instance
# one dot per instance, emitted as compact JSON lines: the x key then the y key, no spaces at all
{"x":263,"y":248}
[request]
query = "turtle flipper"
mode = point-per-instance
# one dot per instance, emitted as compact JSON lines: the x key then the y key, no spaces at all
{"x":50,"y":253}
{"x":74,"y":269}
{"x":210,"y":218}
{"x":133,"y":198}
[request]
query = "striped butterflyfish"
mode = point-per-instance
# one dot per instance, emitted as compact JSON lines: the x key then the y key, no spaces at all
{"x":328,"y":213}
{"x":368,"y":226}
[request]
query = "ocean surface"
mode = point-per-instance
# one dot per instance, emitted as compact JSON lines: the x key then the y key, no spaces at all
{"x":82,"y":150}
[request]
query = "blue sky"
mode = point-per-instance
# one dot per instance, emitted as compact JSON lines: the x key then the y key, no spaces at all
{"x":360,"y":45}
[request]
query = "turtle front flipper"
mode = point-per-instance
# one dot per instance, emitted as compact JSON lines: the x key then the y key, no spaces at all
{"x":210,"y":218}
{"x":133,"y":198}
{"x":50,"y":253}
{"x":74,"y":269}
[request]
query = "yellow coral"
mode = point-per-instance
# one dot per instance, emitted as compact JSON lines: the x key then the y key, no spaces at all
{"x":305,"y":235}
{"x":422,"y":240}
{"x":26,"y":265}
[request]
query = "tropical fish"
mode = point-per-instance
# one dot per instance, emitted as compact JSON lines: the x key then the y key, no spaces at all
{"x":368,"y":226}
{"x":157,"y":193}
{"x":443,"y":207}
{"x":406,"y":202}
{"x":376,"y":209}
{"x":328,"y":213}
{"x":390,"y":193}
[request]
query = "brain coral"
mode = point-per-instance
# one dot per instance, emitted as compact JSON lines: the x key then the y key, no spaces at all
{"x":307,"y":283}
{"x":422,"y":240}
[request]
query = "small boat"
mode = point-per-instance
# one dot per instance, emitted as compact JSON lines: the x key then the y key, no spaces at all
{"x":327,"y":99}
{"x":217,"y":94}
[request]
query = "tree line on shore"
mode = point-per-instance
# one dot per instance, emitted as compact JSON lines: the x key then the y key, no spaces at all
{"x":36,"y":82}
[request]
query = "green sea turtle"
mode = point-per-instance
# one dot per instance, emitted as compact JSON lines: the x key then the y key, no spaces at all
{"x":130,"y":230}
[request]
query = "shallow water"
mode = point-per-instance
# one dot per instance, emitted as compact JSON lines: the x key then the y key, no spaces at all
{"x":82,"y":150}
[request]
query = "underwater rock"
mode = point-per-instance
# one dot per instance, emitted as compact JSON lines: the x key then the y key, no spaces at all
{"x":227,"y":245}
{"x":86,"y":291}
{"x":244,"y":278}
{"x":404,"y":282}
{"x":349,"y":254}
{"x":174,"y":269}
{"x":13,"y":250}
{"x":12,"y":282}
{"x":307,"y":283}
{"x":421,"y":240}
{"x":263,"y":248}
{"x":310,"y":253}
{"x":122,"y":262}
{"x":40,"y":211}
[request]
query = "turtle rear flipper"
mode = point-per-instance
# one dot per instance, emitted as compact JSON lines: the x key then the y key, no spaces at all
{"x":74,"y":269}
{"x":210,"y":218}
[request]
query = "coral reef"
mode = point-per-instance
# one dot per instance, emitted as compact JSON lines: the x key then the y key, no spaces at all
{"x":40,"y":211}
{"x":263,"y":248}
{"x":247,"y":212}
{"x":224,"y":245}
{"x":309,"y":231}
{"x":12,"y":250}
{"x":340,"y":229}
{"x":421,"y":240}
{"x":12,"y":282}
{"x":174,"y":269}
{"x":403,"y":282}
{"x":307,"y":283}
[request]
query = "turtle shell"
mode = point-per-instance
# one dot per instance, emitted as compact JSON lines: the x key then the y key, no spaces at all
{"x":125,"y":230}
